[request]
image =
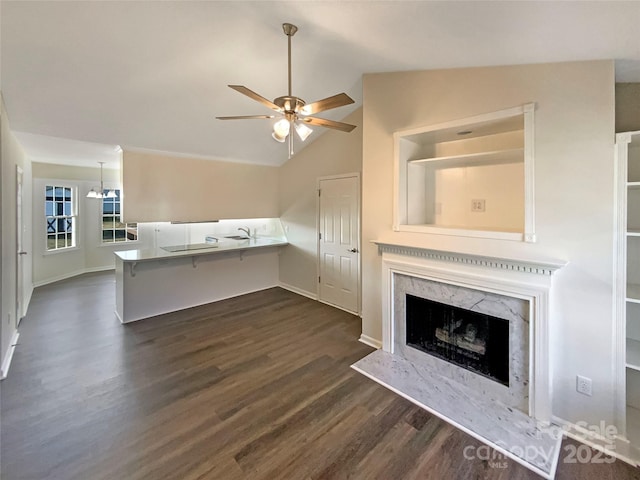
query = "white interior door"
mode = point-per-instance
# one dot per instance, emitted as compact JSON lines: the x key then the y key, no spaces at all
{"x":20,"y":252}
{"x":339,"y":241}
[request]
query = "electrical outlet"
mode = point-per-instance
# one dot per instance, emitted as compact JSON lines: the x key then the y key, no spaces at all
{"x":583,"y":385}
{"x":478,"y":205}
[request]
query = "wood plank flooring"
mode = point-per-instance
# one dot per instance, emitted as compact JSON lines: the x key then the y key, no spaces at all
{"x":255,"y":387}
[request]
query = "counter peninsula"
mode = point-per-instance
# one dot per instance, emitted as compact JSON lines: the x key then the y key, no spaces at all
{"x":151,"y":282}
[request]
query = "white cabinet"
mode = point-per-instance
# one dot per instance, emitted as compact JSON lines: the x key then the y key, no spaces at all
{"x":469,"y":177}
{"x":628,"y":293}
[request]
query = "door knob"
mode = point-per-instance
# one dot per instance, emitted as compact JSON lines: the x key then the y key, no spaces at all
{"x":22,"y":253}
{"x":353,"y":250}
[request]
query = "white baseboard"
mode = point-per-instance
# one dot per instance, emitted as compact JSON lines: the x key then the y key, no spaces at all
{"x":25,"y":304}
{"x":72,"y":274}
{"x":299,"y":291}
{"x":27,"y":299}
{"x":6,"y":362}
{"x":99,"y":269}
{"x":597,"y":441}
{"x":372,"y":342}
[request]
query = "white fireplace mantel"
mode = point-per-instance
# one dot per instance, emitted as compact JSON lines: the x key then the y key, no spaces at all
{"x":540,"y":267}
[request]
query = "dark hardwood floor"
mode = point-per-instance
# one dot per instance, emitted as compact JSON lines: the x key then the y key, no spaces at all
{"x":255,"y":387}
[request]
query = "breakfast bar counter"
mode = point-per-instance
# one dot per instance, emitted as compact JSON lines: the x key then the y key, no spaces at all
{"x":198,"y":249}
{"x":160,"y":280}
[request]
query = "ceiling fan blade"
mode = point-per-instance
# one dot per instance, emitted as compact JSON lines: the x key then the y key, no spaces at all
{"x":328,"y":103}
{"x":323,"y":122}
{"x":259,"y":98}
{"x":245,"y":117}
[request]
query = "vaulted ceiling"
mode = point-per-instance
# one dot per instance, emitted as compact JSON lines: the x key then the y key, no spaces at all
{"x":153,"y":74}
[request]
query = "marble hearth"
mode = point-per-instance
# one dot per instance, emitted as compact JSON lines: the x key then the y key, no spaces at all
{"x":512,"y":416}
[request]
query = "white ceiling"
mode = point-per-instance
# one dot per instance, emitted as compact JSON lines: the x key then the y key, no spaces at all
{"x":153,"y":75}
{"x":64,"y":151}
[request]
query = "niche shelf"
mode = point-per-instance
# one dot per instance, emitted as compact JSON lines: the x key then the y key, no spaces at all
{"x":468,"y":177}
{"x":633,"y":354}
{"x":633,"y":293}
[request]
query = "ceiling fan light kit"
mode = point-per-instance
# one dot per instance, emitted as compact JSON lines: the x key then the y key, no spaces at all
{"x":303,"y":131}
{"x":293,"y":111}
{"x":281,"y":130}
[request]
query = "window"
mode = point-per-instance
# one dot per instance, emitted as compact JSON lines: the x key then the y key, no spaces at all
{"x":60,"y":215}
{"x":113,"y":230}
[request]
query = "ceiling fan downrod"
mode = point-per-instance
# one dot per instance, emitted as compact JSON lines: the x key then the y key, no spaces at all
{"x":289,"y":30}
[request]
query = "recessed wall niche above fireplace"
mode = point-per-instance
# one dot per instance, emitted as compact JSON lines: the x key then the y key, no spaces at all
{"x":468,"y":177}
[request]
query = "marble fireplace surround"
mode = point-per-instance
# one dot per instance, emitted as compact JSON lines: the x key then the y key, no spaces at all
{"x":524,"y":286}
{"x":514,"y":310}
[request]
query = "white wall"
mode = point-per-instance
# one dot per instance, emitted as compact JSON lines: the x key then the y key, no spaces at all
{"x":12,"y":156}
{"x":332,"y":154}
{"x":574,"y":136}
{"x":90,"y":254}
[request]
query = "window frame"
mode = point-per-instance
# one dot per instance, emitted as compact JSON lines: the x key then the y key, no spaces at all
{"x":73,"y":215}
{"x":117,"y":218}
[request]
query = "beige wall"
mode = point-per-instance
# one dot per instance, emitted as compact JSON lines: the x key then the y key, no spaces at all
{"x":160,"y":188}
{"x":456,"y":187}
{"x":331,"y":154}
{"x":12,"y":156}
{"x":627,"y":107}
{"x":574,"y":135}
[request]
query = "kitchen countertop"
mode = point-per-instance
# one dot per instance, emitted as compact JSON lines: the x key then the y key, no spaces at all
{"x":224,"y":245}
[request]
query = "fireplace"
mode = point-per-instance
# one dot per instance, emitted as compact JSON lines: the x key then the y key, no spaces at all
{"x":515,"y":290}
{"x":468,"y":339}
{"x":437,"y":362}
{"x":476,"y":337}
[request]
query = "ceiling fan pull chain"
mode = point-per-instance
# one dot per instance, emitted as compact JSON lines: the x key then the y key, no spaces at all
{"x":291,"y":136}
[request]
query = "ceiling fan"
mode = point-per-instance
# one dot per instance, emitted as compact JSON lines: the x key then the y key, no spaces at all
{"x":294,"y":112}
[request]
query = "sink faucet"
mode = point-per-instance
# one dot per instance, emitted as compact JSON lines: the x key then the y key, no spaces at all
{"x":246,"y":230}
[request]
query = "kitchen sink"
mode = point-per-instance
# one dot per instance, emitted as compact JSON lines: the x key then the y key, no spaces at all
{"x":238,"y":237}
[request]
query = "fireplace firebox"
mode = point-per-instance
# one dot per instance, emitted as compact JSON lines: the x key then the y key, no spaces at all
{"x":468,"y":339}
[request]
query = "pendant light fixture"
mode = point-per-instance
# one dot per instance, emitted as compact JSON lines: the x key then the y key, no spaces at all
{"x":100,"y":194}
